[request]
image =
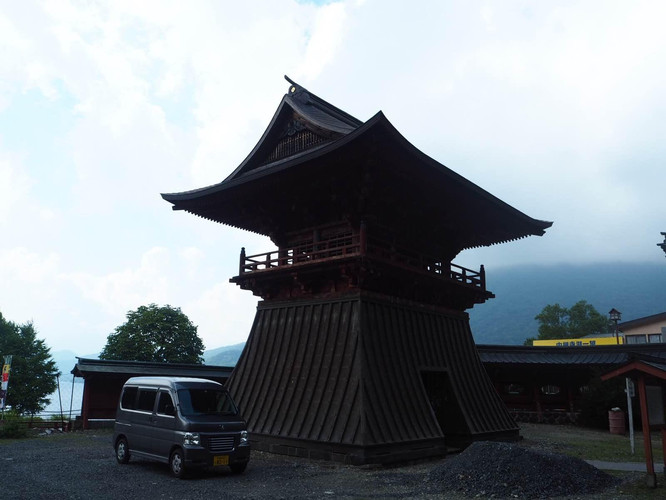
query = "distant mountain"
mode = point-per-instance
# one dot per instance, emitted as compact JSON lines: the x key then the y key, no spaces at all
{"x":224,"y":356}
{"x":636,"y":290}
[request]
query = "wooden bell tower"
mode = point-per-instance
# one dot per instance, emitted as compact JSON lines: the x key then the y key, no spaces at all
{"x":360,"y":350}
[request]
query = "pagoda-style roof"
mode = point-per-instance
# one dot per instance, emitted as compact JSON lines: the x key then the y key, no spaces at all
{"x":316,"y":164}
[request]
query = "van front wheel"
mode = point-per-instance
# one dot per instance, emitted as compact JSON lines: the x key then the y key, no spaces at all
{"x":177,"y":463}
{"x":122,"y":451}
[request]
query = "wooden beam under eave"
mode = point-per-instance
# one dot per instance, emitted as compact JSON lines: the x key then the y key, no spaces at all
{"x":635,"y":366}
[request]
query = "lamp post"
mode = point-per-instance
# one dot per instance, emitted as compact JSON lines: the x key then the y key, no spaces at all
{"x":615,"y":316}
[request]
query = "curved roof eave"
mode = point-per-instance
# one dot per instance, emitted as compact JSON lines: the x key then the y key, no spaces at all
{"x":224,"y":223}
{"x":318,"y":102}
{"x":194,"y":193}
{"x":508,"y":240}
{"x":320,"y":109}
{"x":425,"y":159}
{"x":317,"y":116}
{"x":310,"y":107}
{"x":271,"y":168}
{"x":378,"y":121}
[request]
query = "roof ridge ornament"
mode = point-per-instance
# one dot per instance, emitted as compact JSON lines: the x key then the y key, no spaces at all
{"x":298,"y":91}
{"x":295,"y":87}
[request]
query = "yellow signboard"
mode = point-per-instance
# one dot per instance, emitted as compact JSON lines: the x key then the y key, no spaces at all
{"x":587,"y":341}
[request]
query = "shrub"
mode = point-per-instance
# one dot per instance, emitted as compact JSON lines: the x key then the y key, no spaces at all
{"x":598,"y":398}
{"x":11,"y":426}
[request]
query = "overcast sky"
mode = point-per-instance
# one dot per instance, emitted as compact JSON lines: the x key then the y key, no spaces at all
{"x":557,"y":108}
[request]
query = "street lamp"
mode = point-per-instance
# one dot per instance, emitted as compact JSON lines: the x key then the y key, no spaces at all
{"x":615,"y":316}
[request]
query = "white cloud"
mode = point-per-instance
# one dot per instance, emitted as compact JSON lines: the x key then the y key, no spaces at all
{"x":327,"y":35}
{"x":31,"y":288}
{"x":129,"y":288}
{"x":162,"y":276}
{"x":555,"y":108}
{"x":11,"y":61}
{"x":21,"y":265}
{"x":223,"y":315}
{"x":14,"y":186}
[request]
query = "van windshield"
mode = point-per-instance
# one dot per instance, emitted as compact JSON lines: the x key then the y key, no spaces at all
{"x":205,"y":402}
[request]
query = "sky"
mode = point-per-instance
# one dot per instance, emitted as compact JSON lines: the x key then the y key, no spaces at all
{"x":557,"y":108}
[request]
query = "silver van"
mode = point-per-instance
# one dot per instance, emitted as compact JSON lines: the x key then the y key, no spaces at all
{"x":185,"y":422}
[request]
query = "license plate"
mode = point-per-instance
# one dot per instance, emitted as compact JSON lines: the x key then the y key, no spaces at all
{"x":221,"y":460}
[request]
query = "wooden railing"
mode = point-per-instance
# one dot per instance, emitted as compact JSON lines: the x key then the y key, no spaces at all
{"x":413,"y":260}
{"x":343,"y":246}
{"x":353,"y":245}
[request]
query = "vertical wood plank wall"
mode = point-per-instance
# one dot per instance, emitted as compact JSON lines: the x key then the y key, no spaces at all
{"x":344,"y":377}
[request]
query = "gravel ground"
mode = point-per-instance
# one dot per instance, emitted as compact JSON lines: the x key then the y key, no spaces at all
{"x":81,"y":465}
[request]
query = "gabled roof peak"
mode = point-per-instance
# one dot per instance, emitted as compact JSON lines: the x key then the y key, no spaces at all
{"x":313,"y":107}
{"x":302,"y":123}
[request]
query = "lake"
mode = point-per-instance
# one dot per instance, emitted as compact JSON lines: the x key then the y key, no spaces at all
{"x":68,"y":402}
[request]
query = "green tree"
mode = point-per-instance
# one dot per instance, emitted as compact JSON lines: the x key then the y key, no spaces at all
{"x":581,"y":319}
{"x":153,"y":333}
{"x":33,"y":372}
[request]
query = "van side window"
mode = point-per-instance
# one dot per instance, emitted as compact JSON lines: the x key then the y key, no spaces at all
{"x":165,"y":404}
{"x":146,"y":399}
{"x":128,"y":401}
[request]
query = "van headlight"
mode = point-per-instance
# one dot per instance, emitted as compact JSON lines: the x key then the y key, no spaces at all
{"x":243,"y":438}
{"x":192,"y":438}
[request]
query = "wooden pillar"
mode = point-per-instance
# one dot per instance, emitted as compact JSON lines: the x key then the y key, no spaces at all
{"x":316,"y":237}
{"x":663,"y":446}
{"x":85,"y":404}
{"x":537,"y":402}
{"x":647,"y":441}
{"x":570,"y":401}
{"x":363,"y":238}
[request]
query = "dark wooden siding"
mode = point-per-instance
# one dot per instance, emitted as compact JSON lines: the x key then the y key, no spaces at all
{"x":348,"y":372}
{"x":401,"y":342}
{"x":299,"y":375}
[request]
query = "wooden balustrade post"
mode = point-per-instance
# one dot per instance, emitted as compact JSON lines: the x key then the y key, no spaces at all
{"x":363,"y":238}
{"x":241,"y":264}
{"x":482,"y":275}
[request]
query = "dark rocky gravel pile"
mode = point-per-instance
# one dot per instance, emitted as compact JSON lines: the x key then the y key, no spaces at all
{"x":505,"y":470}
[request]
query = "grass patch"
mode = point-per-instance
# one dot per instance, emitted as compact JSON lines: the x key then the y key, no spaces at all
{"x":634,"y":486}
{"x":590,"y":444}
